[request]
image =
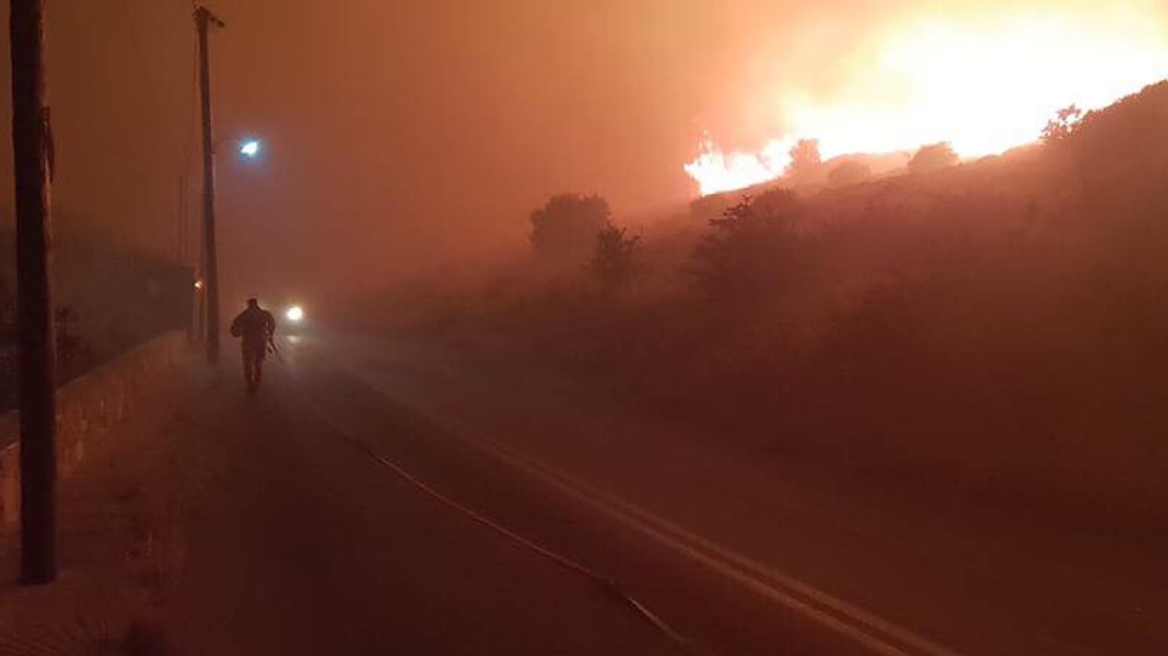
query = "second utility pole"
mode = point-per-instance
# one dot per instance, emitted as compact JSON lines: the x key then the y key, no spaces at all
{"x":204,"y":19}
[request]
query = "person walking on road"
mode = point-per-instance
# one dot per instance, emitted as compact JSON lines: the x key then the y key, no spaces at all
{"x":255,"y":326}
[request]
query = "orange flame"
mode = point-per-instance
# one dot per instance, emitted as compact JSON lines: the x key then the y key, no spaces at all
{"x":984,"y":88}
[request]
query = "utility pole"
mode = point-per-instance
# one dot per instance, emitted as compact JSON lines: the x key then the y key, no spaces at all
{"x":180,"y":223}
{"x":38,"y":421}
{"x":185,"y":258}
{"x":204,"y":20}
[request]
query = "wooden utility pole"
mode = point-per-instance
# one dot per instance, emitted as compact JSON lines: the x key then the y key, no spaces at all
{"x":180,"y":228}
{"x":31,"y":150}
{"x":204,"y":19}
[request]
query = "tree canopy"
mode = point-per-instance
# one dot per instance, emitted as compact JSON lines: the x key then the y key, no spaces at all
{"x":566,"y":227}
{"x":612,"y":261}
{"x":806,"y":167}
{"x":933,"y":157}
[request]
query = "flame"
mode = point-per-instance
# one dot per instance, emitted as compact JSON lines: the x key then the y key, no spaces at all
{"x":716,"y":172}
{"x":983,"y":87}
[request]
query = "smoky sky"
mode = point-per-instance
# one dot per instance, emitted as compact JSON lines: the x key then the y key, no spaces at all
{"x":398,"y":135}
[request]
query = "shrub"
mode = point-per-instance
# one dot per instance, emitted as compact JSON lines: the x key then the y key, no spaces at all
{"x":566,"y":227}
{"x":612,"y":262}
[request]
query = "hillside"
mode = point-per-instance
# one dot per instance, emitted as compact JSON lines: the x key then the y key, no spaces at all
{"x":1000,"y":322}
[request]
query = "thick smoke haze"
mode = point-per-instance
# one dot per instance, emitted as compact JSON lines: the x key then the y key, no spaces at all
{"x":406,"y":135}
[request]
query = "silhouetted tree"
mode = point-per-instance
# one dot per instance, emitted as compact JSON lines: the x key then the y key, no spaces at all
{"x":566,"y":227}
{"x":1062,"y":125}
{"x":750,"y":247}
{"x":932,"y":158}
{"x":612,"y":261}
{"x":848,"y":173}
{"x":806,"y":167}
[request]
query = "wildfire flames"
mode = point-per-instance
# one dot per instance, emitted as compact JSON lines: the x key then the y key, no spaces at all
{"x":983,"y":87}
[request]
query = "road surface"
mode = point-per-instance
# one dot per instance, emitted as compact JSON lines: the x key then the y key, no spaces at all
{"x":381,"y":497}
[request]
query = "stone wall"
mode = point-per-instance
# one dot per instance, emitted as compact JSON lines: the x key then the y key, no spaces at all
{"x":88,"y":408}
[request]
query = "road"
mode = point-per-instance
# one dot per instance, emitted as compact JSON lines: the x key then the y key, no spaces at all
{"x":380,"y":496}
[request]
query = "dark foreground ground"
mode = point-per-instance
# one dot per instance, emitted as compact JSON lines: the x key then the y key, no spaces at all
{"x":382,"y":497}
{"x":883,"y":566}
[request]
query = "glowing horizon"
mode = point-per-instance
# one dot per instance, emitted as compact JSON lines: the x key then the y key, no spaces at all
{"x":983,"y":88}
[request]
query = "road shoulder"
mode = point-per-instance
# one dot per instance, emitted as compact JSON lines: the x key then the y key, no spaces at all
{"x":119,"y":546}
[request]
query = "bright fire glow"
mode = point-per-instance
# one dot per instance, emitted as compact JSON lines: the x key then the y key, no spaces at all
{"x":294,"y":313}
{"x":984,"y":87}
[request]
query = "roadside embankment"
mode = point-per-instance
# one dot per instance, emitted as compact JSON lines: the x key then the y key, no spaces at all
{"x":87,"y":410}
{"x":117,"y":514}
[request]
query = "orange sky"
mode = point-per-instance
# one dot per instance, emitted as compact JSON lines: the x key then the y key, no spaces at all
{"x":400,"y":135}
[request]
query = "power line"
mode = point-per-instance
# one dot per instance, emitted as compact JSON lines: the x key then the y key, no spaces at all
{"x":188,"y":147}
{"x":188,"y":150}
{"x":156,"y":117}
{"x":140,"y":55}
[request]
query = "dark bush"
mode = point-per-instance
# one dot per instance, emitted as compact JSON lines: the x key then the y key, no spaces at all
{"x":750,"y":247}
{"x":565,"y":229}
{"x":612,"y":262}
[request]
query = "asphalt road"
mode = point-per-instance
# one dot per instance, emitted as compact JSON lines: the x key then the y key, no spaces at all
{"x":379,"y":497}
{"x":329,"y":519}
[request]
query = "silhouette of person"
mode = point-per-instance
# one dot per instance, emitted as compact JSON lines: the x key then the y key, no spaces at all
{"x":255,"y":326}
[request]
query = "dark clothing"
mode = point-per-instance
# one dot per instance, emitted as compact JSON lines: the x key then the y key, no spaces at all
{"x":253,"y":363}
{"x":256,"y":327}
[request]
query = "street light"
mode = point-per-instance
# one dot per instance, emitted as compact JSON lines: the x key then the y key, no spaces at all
{"x":249,"y":148}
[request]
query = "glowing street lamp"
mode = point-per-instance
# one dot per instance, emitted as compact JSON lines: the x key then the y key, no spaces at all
{"x":249,"y":148}
{"x":294,"y":313}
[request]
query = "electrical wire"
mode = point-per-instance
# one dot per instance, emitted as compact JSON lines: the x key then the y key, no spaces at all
{"x":140,"y":56}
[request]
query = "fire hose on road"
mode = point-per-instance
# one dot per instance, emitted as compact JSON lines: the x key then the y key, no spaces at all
{"x":864,"y":629}
{"x":610,"y":585}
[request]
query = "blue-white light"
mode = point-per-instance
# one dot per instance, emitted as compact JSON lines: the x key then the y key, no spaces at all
{"x":249,"y":148}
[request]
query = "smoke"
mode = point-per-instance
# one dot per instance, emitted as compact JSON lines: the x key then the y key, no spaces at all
{"x":403,"y":136}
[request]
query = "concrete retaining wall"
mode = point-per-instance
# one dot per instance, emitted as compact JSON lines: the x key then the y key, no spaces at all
{"x":87,"y":408}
